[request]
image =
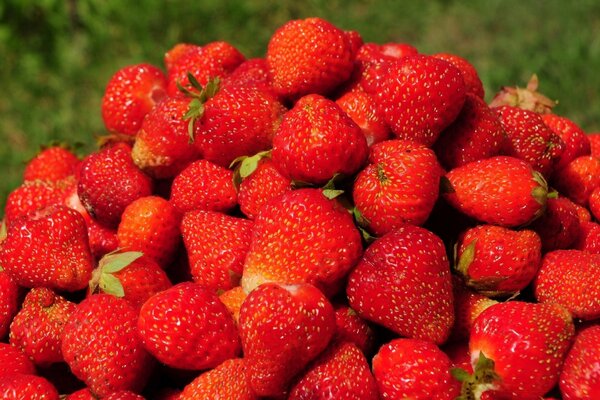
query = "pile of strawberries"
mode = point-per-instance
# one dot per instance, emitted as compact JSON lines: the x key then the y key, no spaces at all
{"x":336,"y":220}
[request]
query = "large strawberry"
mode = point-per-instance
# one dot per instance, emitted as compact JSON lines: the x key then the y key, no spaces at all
{"x":580,"y":376}
{"x":227,"y":381}
{"x":48,"y":248}
{"x":302,"y":236}
{"x":473,"y":83}
{"x":500,"y":190}
{"x":51,"y":163}
{"x":317,"y":140}
{"x":102,"y":346}
{"x":283,"y":328}
{"x":400,"y":185}
{"x":578,"y":179}
{"x":403,"y":283}
{"x":24,"y":386}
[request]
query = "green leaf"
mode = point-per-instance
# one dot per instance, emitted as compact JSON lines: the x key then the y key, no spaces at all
{"x":249,"y":164}
{"x":112,"y":285}
{"x":332,"y":193}
{"x":460,"y":374}
{"x":194,"y":82}
{"x":116,"y":262}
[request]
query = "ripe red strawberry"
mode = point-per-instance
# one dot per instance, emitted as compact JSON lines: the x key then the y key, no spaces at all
{"x":498,"y":261}
{"x":566,"y":277}
{"x":500,"y":190}
{"x":317,"y":140}
{"x":340,"y":372}
{"x":374,"y":53}
{"x":162,"y":147}
{"x":362,"y":109}
{"x":52,"y":164}
{"x":352,"y":328}
{"x":576,"y":142}
{"x":129,"y":275}
{"x":283,"y":328}
{"x":101,"y":345}
{"x":173,"y":55}
{"x":309,"y":56}
{"x":588,"y":237}
{"x":23,"y":386}
{"x":109,"y":182}
{"x":14,"y":361}
{"x":86,"y":394}
{"x":418,"y":95}
{"x":203,"y":185}
{"x":188,"y":327}
{"x":468,"y":304}
{"x":48,"y":248}
{"x":413,"y":369}
{"x":530,"y":139}
{"x":594,"y":203}
{"x":403,"y":283}
{"x":10,"y":295}
{"x":151,"y":225}
{"x":252,"y":72}
{"x":129,"y":95}
{"x":594,"y":139}
{"x":302,"y":236}
{"x":517,"y":350}
{"x":38,"y":327}
{"x":216,"y":245}
{"x":227,"y":381}
{"x":473,"y":83}
{"x":233,"y":299}
{"x":559,"y":226}
{"x":578,"y":179}
{"x":400,"y":185}
{"x":583,"y":213}
{"x":580,"y":376}
{"x":474,"y":135}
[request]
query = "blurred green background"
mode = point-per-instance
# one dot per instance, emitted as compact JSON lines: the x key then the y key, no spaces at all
{"x":57,"y":55}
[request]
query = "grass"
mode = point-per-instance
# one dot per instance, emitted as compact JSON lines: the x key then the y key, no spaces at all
{"x":59,"y":54}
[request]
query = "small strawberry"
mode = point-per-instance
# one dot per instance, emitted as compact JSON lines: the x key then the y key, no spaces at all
{"x":594,"y":139}
{"x":588,"y":237}
{"x":151,"y":225}
{"x":38,"y":327}
{"x":188,"y":327}
{"x":216,"y":245}
{"x":403,"y":283}
{"x":233,"y":299}
{"x":86,"y":394}
{"x":101,"y":345}
{"x":570,"y":278}
{"x":227,"y":381}
{"x":583,"y":213}
{"x":580,"y":376}
{"x":468,"y":304}
{"x":500,"y":190}
{"x":362,"y":109}
{"x":340,"y":372}
{"x":252,"y":72}
{"x":48,"y":248}
{"x":302,"y":236}
{"x":469,"y":73}
{"x":129,"y":95}
{"x":109,"y":182}
{"x":52,"y":164}
{"x":10,"y":295}
{"x":413,"y":369}
{"x":578,"y":179}
{"x":309,"y":56}
{"x":352,"y":328}
{"x":283,"y":328}
{"x":559,"y":226}
{"x":594,"y":203}
{"x":26,"y":387}
{"x":173,"y":55}
{"x":418,"y":95}
{"x":399,"y":185}
{"x":14,"y":361}
{"x":317,"y":140}
{"x":576,"y":142}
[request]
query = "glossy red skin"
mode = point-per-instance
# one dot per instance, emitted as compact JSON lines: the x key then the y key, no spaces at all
{"x":216,"y":246}
{"x":468,"y":304}
{"x":14,"y":361}
{"x":187,"y":327}
{"x":565,"y":277}
{"x":252,"y":72}
{"x":23,"y":386}
{"x":518,"y":337}
{"x":86,"y":394}
{"x":559,"y":226}
{"x":594,"y":139}
{"x":352,"y":328}
{"x":594,"y":203}
{"x":576,"y":141}
{"x":588,"y":237}
{"x":580,"y":376}
{"x":469,"y":73}
{"x":227,"y":381}
{"x":415,"y":369}
{"x":52,"y":164}
{"x":316,"y":140}
{"x":129,"y":95}
{"x":403,"y":283}
{"x":9,"y":300}
{"x":362,"y":109}
{"x":578,"y":179}
{"x":283,"y":328}
{"x":173,"y":55}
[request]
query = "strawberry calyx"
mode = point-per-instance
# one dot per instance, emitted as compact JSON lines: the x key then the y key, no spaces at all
{"x":199,"y":95}
{"x":482,"y":379}
{"x":244,"y":166}
{"x":103,"y":277}
{"x":466,"y":258}
{"x":527,"y":98}
{"x":540,"y":193}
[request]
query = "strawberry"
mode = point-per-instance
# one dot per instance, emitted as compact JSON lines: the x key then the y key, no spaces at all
{"x":594,"y":139}
{"x":498,"y":261}
{"x":10,"y":294}
{"x":216,"y":245}
{"x":578,"y":179}
{"x":101,"y":345}
{"x":14,"y":361}
{"x":129,"y":275}
{"x":51,"y":164}
{"x":233,"y":299}
{"x":340,"y":372}
{"x":129,"y":95}
{"x":468,"y":304}
{"x":569,"y":278}
{"x":352,"y":328}
{"x":173,"y":55}
{"x":413,"y":369}
{"x":576,"y":142}
{"x":362,"y":109}
{"x":283,"y":328}
{"x":517,"y":350}
{"x":474,"y":135}
{"x":48,"y":248}
{"x":86,"y":394}
{"x":373,"y":53}
{"x":309,"y":56}
{"x":227,"y":381}
{"x":187,"y":327}
{"x":302,"y":236}
{"x":162,"y":147}
{"x":559,"y":226}
{"x":151,"y":225}
{"x":500,"y":190}
{"x":109,"y":182}
{"x":594,"y":203}
{"x":404,"y":90}
{"x":588,"y":237}
{"x":317,"y":140}
{"x":583,"y":213}
{"x":469,"y":73}
{"x":38,"y":327}
{"x":252,"y":72}
{"x":24,"y":386}
{"x":403,"y":283}
{"x":580,"y":377}
{"x":530,"y":139}
{"x":400,"y":185}
{"x":203,"y":185}
{"x":527,"y":98}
